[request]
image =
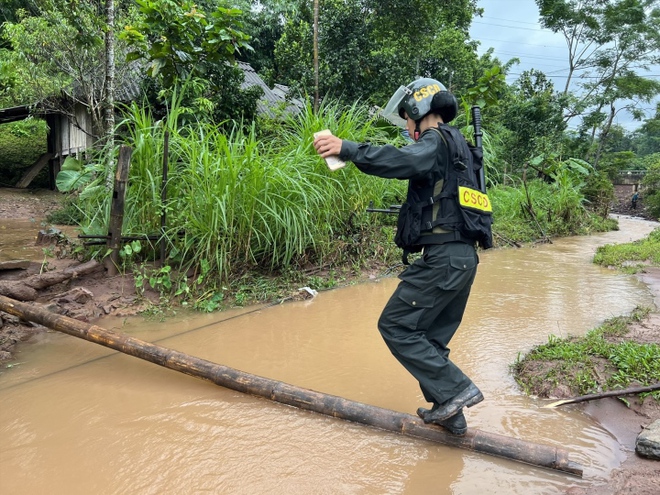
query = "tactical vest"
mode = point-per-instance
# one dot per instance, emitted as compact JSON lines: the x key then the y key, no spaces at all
{"x":447,"y":206}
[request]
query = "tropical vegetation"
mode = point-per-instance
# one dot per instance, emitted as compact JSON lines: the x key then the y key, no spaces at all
{"x":246,"y":195}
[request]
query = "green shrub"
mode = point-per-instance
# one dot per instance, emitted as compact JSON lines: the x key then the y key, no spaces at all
{"x":21,"y":144}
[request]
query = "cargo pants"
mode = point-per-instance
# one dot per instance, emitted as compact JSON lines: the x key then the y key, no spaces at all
{"x":425,"y":311}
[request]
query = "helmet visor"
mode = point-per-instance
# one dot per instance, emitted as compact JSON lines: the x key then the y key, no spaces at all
{"x":391,"y":110}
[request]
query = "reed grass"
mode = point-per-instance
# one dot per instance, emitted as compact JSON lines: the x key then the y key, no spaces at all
{"x":245,"y":200}
{"x":538,"y":209}
{"x":241,"y":202}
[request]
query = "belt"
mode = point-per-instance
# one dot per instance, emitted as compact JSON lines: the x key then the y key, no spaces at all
{"x":453,"y":236}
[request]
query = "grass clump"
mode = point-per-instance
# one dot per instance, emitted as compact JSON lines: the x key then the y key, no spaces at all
{"x":239,"y":204}
{"x":542,"y":210}
{"x":631,"y":257}
{"x":601,"y":360}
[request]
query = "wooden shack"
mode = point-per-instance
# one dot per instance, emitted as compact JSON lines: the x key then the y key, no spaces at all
{"x":68,"y":135}
{"x":71,"y":132}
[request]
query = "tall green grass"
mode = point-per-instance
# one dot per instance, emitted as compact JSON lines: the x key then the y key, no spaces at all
{"x":238,"y":200}
{"x":574,"y":361}
{"x":242,"y":202}
{"x":634,"y":255}
{"x":539,"y":209}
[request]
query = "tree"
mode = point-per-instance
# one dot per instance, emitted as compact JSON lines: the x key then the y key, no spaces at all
{"x":533,"y":114}
{"x":265,"y":26}
{"x":344,"y":47}
{"x":367,"y":49}
{"x":62,"y":51}
{"x":110,"y":72}
{"x":179,"y":40}
{"x":646,"y":139}
{"x":609,"y":41}
{"x":180,"y":44}
{"x":651,"y":184}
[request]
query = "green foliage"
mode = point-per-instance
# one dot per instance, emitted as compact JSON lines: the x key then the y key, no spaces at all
{"x":242,"y":203}
{"x":185,"y":45}
{"x":67,"y":214}
{"x":646,"y":139}
{"x":599,"y":193}
{"x":73,"y":175}
{"x":613,"y":163}
{"x":487,"y":90}
{"x":574,"y":360}
{"x":622,"y":37}
{"x":636,"y":253}
{"x":533,"y":114}
{"x":21,"y":144}
{"x":541,"y":209}
{"x":368,"y":60}
{"x":179,"y":40}
{"x":651,"y":184}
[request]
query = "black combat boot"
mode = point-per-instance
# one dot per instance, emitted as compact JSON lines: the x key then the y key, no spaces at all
{"x":456,"y":424}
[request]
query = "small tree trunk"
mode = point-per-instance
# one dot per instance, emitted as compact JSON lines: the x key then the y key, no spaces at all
{"x":316,"y":56}
{"x":109,"y":104}
{"x":27,"y":289}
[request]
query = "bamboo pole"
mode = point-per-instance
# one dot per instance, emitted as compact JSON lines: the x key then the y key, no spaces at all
{"x":488,"y":443}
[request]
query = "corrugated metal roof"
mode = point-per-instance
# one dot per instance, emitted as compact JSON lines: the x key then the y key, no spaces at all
{"x":128,"y":89}
{"x":272,"y":97}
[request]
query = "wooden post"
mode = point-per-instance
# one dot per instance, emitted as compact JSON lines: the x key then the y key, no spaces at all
{"x":117,"y":210}
{"x":32,"y":172}
{"x":163,"y":197}
{"x":406,"y":424}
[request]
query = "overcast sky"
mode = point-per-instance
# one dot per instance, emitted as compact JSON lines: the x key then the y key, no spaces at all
{"x":512,"y":28}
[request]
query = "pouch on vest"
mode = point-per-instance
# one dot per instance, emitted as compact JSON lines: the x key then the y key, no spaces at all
{"x":476,"y":211}
{"x":409,"y":225}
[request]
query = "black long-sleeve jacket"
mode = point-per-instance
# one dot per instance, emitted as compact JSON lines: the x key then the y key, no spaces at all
{"x":415,"y":162}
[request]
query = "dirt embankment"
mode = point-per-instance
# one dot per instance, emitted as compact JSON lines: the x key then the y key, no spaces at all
{"x":85,"y":297}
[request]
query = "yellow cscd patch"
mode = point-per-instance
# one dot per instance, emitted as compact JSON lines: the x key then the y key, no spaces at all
{"x":476,"y":200}
{"x":426,"y":91}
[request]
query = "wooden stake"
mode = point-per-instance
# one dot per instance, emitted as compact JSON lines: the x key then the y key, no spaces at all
{"x":117,"y":210}
{"x":32,"y":172}
{"x":406,"y":424}
{"x":602,"y":395}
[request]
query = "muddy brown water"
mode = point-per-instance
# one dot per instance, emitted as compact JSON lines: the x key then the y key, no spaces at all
{"x":77,"y":418}
{"x":18,"y":238}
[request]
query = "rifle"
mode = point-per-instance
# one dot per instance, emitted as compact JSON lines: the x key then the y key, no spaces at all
{"x":476,"y":122}
{"x":392,"y":210}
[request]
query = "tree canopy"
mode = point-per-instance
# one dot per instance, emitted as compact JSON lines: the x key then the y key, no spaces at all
{"x":367,"y":49}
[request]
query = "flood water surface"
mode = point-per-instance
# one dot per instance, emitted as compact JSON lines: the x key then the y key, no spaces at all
{"x":79,"y":418}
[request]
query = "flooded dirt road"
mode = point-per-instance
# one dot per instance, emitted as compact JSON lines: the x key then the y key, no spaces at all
{"x":78,"y":418}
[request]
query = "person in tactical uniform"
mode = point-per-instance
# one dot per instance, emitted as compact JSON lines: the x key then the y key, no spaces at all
{"x":427,"y":306}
